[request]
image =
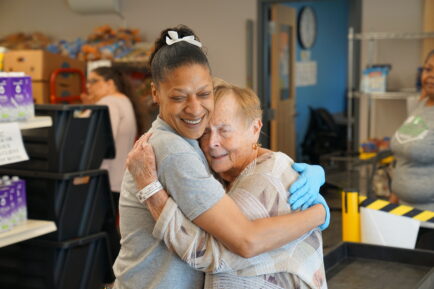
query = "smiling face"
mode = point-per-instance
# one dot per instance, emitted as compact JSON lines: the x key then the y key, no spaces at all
{"x":228,"y":141}
{"x":428,"y":78}
{"x":186,"y":99}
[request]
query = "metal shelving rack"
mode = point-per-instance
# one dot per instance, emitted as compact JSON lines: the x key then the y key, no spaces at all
{"x":372,"y":39}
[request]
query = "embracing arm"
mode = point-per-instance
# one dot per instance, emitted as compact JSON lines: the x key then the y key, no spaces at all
{"x":227,"y":224}
{"x":205,"y":250}
{"x":247,"y":238}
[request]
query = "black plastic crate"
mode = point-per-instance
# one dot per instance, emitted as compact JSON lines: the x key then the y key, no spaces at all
{"x":360,"y":266}
{"x":40,"y":264}
{"x":79,"y":203}
{"x":79,"y":139}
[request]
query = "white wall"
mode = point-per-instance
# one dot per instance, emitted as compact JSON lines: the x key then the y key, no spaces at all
{"x":220,"y":24}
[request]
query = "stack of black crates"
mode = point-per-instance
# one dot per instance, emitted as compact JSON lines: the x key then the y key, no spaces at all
{"x":65,"y":185}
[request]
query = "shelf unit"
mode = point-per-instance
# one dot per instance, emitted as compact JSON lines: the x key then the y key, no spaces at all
{"x":394,"y":95}
{"x":25,"y":231}
{"x":387,"y":110}
{"x":30,"y":228}
{"x":36,"y":122}
{"x":372,"y":39}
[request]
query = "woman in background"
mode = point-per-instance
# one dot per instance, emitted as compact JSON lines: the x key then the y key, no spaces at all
{"x":413,"y":147}
{"x":106,"y":86}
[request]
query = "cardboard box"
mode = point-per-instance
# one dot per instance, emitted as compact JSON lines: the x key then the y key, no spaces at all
{"x":39,"y":64}
{"x":41,"y":90}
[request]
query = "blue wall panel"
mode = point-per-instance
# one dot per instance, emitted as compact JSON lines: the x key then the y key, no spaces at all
{"x":330,"y":54}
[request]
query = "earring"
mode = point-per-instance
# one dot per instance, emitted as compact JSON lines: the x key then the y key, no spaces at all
{"x":255,"y":146}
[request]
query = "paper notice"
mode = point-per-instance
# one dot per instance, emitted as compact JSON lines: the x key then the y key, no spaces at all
{"x":11,"y":144}
{"x":306,"y":73}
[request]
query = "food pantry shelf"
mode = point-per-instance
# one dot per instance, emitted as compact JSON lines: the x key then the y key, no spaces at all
{"x":27,"y":230}
{"x":30,"y":228}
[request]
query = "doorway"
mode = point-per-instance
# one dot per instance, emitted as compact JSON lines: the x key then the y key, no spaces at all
{"x":327,"y":57}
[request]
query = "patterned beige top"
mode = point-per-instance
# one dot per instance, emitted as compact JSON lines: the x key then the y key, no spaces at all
{"x":260,"y":191}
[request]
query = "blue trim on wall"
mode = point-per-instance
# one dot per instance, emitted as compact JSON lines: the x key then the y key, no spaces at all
{"x":330,"y":52}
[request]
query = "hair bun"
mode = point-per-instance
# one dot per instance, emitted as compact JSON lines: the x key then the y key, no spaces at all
{"x":168,"y":55}
{"x":182,"y":31}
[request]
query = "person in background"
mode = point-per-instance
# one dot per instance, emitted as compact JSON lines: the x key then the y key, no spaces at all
{"x":183,"y":88}
{"x":257,"y":180}
{"x":413,"y":147}
{"x":107,"y":86}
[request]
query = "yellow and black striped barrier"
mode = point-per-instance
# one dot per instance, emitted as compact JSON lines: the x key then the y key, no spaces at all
{"x":395,"y":209}
{"x":351,"y":203}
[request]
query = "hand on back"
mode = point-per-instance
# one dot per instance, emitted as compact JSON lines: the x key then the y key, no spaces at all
{"x":141,"y":162}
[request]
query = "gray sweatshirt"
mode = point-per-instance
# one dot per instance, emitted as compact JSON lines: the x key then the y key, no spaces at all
{"x":413,"y":146}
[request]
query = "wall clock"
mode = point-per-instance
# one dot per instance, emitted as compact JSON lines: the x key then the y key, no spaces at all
{"x":307,"y":27}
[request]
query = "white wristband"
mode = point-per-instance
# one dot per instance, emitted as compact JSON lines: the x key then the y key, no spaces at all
{"x":149,"y":191}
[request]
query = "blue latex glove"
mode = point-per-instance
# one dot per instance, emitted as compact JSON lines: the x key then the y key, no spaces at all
{"x":320,"y":200}
{"x":305,"y":190}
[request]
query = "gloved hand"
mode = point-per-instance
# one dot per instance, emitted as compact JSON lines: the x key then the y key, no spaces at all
{"x":320,"y":200}
{"x":305,"y":190}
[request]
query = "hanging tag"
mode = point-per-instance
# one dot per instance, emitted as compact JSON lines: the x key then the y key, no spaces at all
{"x":11,"y":144}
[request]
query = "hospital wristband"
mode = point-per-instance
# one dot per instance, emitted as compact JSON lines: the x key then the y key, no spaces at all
{"x":149,"y":191}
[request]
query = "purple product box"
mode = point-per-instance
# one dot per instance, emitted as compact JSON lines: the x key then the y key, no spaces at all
{"x":5,"y":209}
{"x":7,"y":108}
{"x":21,"y":199}
{"x":13,"y":204}
{"x":22,"y":96}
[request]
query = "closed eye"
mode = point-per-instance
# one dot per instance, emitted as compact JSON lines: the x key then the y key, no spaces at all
{"x":204,"y":94}
{"x":225,"y":131}
{"x":178,"y":98}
